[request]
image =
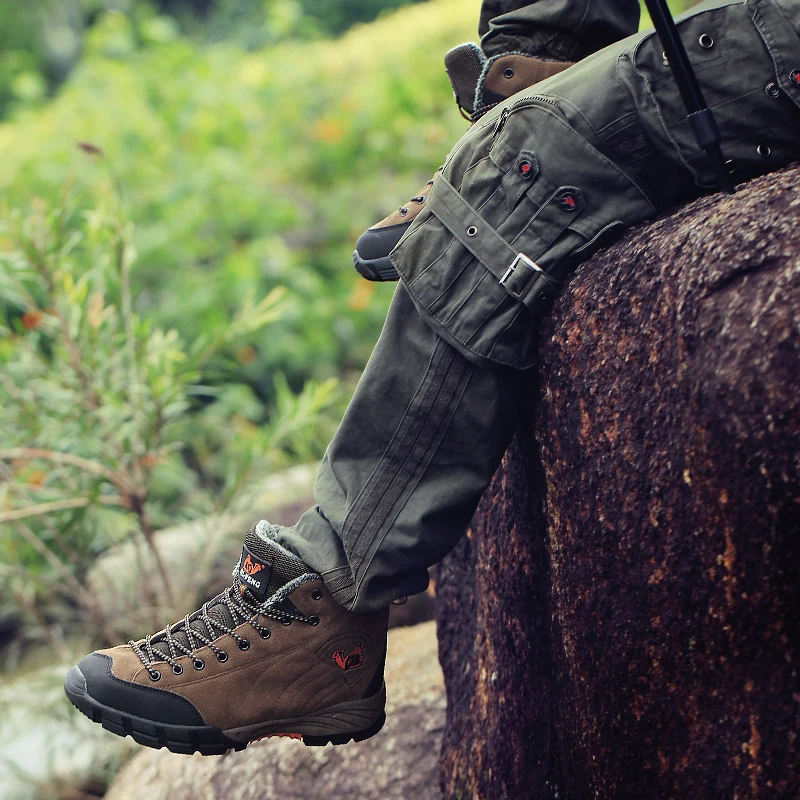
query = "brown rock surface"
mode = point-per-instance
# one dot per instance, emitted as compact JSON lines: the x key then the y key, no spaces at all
{"x":623,"y":619}
{"x":398,"y":763}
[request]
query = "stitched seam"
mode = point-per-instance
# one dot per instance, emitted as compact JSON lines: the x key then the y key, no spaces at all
{"x":467,"y":297}
{"x":458,"y":339}
{"x":438,"y":258}
{"x":453,"y":279}
{"x":507,"y":328}
{"x":184,"y":701}
{"x":472,"y":166}
{"x":384,"y":481}
{"x":389,"y":486}
{"x":378,"y":466}
{"x":409,"y":494}
{"x":489,"y":316}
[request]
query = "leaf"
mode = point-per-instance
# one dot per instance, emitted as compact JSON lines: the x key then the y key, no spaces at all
{"x":94,"y":311}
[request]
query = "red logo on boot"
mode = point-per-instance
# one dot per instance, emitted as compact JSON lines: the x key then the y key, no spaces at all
{"x":352,"y":660}
{"x":250,"y":567}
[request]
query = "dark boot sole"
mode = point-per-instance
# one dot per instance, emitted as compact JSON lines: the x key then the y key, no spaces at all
{"x":375,"y":269}
{"x":206,"y":739}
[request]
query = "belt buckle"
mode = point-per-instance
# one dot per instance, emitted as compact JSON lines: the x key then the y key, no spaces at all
{"x":512,"y":269}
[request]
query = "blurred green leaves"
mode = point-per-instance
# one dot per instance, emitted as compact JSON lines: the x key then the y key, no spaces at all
{"x":97,"y":408}
{"x":42,"y":40}
{"x":177,"y":293}
{"x":245,"y":171}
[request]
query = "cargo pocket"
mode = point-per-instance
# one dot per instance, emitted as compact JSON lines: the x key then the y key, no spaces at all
{"x":495,"y":240}
{"x":742,"y":54}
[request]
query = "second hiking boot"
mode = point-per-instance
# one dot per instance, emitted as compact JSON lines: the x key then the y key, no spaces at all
{"x":371,"y":256}
{"x":272,"y":655}
{"x":479,"y":84}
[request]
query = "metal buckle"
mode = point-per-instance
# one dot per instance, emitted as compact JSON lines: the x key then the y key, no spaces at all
{"x":520,"y":259}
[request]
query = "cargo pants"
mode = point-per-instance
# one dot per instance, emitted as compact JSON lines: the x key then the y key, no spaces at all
{"x":531,"y":189}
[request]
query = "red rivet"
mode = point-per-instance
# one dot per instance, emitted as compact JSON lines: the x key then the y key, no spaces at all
{"x":525,"y":169}
{"x":794,"y":75}
{"x":568,"y":201}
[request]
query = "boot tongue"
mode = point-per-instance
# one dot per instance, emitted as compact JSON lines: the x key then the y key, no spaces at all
{"x":464,"y":65}
{"x":264,"y":567}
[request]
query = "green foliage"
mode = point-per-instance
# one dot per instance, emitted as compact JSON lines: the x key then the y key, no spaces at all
{"x":237,"y":183}
{"x":95,"y":402}
{"x":41,"y":40}
{"x":247,"y":171}
{"x":138,"y":397}
{"x":22,"y":64}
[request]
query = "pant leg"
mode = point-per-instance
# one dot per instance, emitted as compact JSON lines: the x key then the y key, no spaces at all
{"x":430,"y":421}
{"x":420,"y":441}
{"x":564,"y":30}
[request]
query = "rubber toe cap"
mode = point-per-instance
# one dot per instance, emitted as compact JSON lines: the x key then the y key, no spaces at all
{"x":75,"y":682}
{"x":92,"y":678}
{"x":379,"y":242}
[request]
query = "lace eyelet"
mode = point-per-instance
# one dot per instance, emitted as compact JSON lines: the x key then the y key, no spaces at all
{"x":177,"y":669}
{"x":265,"y":633}
{"x":316,"y":595}
{"x":508,"y":72}
{"x":403,"y":211}
{"x":313,"y":620}
{"x":155,"y":675}
{"x":244,"y":644}
{"x":222,"y":656}
{"x":198,"y":664}
{"x":286,"y":622}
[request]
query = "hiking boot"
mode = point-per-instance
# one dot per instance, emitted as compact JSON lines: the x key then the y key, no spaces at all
{"x":272,"y":655}
{"x":479,"y":84}
{"x":371,"y":256}
{"x":505,"y":75}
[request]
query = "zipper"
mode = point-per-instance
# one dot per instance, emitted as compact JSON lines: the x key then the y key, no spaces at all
{"x":515,"y":106}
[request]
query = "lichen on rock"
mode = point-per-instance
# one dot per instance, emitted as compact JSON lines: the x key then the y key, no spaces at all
{"x":623,"y":618}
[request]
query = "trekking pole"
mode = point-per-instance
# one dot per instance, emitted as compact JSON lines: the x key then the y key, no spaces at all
{"x":701,"y":117}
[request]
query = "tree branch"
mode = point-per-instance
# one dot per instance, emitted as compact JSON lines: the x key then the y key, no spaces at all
{"x":67,"y":458}
{"x":58,"y":505}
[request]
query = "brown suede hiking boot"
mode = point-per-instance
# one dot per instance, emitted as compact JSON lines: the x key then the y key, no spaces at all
{"x":479,"y":84}
{"x":371,"y":256}
{"x":272,"y":655}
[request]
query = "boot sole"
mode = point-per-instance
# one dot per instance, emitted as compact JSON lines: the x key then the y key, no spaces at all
{"x":375,"y":269}
{"x":315,"y":730}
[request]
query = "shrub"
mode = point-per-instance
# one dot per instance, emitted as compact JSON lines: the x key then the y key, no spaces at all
{"x":96,"y":406}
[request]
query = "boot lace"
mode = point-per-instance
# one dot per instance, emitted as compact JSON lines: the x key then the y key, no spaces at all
{"x":241,"y":606}
{"x":418,"y":199}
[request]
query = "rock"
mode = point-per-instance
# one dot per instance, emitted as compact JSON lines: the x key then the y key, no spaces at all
{"x":46,"y":749}
{"x":200,"y":553}
{"x":623,"y":618}
{"x":398,"y":763}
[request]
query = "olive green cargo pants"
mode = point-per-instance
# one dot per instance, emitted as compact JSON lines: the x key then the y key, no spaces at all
{"x":560,"y":30}
{"x":533,"y":187}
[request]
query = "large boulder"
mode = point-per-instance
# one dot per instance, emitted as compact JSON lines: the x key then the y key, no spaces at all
{"x":398,"y":763}
{"x":623,"y":618}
